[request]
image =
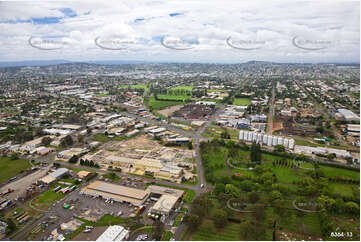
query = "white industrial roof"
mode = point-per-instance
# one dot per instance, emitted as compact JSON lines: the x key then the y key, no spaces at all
{"x":114,"y":233}
{"x":165,"y":203}
{"x":59,"y":172}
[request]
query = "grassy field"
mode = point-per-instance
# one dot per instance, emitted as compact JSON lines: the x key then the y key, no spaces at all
{"x":174,"y":97}
{"x":333,"y":171}
{"x":185,"y":88}
{"x":158,"y":104}
{"x":101,"y":138}
{"x":10,"y":168}
{"x":341,"y":189}
{"x":46,"y":199}
{"x":102,"y":95}
{"x":241,"y":101}
{"x":216,"y":90}
{"x":207,"y":232}
{"x":139,"y":86}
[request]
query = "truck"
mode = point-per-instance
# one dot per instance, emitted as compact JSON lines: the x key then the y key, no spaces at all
{"x":57,"y":188}
{"x":140,"y":209}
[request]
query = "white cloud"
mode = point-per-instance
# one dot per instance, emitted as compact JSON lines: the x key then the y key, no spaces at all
{"x":211,"y":22}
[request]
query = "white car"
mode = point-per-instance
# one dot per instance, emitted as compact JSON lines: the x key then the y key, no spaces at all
{"x":202,"y":185}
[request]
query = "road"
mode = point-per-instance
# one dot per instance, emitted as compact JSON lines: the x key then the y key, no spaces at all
{"x":271,"y":113}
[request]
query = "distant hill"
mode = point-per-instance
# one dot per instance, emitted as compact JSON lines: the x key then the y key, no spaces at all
{"x":57,"y":62}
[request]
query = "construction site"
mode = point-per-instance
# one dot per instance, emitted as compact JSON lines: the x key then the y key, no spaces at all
{"x":195,"y":112}
{"x":143,"y":155}
{"x":290,"y":127}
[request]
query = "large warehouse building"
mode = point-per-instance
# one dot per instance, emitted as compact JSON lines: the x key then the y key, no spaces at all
{"x":114,"y":233}
{"x":116,"y":192}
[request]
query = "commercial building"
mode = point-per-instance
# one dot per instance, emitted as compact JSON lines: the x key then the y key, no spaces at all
{"x":348,"y":115}
{"x":321,"y":150}
{"x":164,"y":205}
{"x":53,"y":176}
{"x":353,"y":130}
{"x":67,"y":154}
{"x":116,"y":192}
{"x":269,"y":140}
{"x":83,"y":174}
{"x":114,"y":233}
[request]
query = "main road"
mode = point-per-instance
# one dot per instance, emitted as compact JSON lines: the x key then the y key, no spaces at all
{"x":271,"y":113}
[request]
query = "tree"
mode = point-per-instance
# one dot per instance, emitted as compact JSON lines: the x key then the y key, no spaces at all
{"x":74,"y":159}
{"x":352,"y":208}
{"x":253,"y":197}
{"x":88,"y":131}
{"x":232,"y":190}
{"x":220,"y":218}
{"x":209,"y":226}
{"x":66,"y":141}
{"x":158,"y":230}
{"x":280,"y":148}
{"x":331,"y":156}
{"x":11,"y":225}
{"x":219,"y":188}
{"x":190,"y":145}
{"x":251,"y":231}
{"x":320,"y":129}
{"x":192,"y":221}
{"x":46,"y":141}
{"x":255,"y":152}
{"x":14,"y":156}
{"x":275,"y":195}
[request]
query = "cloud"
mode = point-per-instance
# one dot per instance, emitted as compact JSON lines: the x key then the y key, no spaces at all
{"x":204,"y":24}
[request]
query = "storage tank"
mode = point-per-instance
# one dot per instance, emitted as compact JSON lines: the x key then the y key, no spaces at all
{"x":255,"y":136}
{"x":280,"y":141}
{"x":241,"y":133}
{"x":285,"y":142}
{"x":291,"y":144}
{"x":269,"y":140}
{"x":265,"y":137}
{"x":274,"y":140}
{"x":259,"y":138}
{"x":250,"y":136}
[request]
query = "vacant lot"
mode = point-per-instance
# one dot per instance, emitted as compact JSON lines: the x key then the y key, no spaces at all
{"x":185,"y":88}
{"x":159,"y":104}
{"x":241,"y":101}
{"x":10,"y":168}
{"x":169,"y":111}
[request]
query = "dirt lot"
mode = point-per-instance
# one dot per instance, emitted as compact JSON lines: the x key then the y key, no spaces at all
{"x":169,"y":111}
{"x":20,"y":185}
{"x":277,"y":125}
{"x":291,"y":128}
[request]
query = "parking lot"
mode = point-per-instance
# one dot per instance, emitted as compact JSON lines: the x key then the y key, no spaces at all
{"x":89,"y":208}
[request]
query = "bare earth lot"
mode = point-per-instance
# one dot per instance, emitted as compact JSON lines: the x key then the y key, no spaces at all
{"x":169,"y":111}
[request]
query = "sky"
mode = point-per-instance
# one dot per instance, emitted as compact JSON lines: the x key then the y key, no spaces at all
{"x":206,"y":31}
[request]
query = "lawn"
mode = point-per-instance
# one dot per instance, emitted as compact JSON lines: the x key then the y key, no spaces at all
{"x":174,"y":97}
{"x":241,"y":101}
{"x":216,"y":90}
{"x":139,"y":86}
{"x":231,"y":232}
{"x":167,"y":235}
{"x":185,"y":88}
{"x":334,"y":171}
{"x":158,"y":104}
{"x":341,"y":189}
{"x":101,"y":138}
{"x":10,"y":168}
{"x":46,"y":199}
